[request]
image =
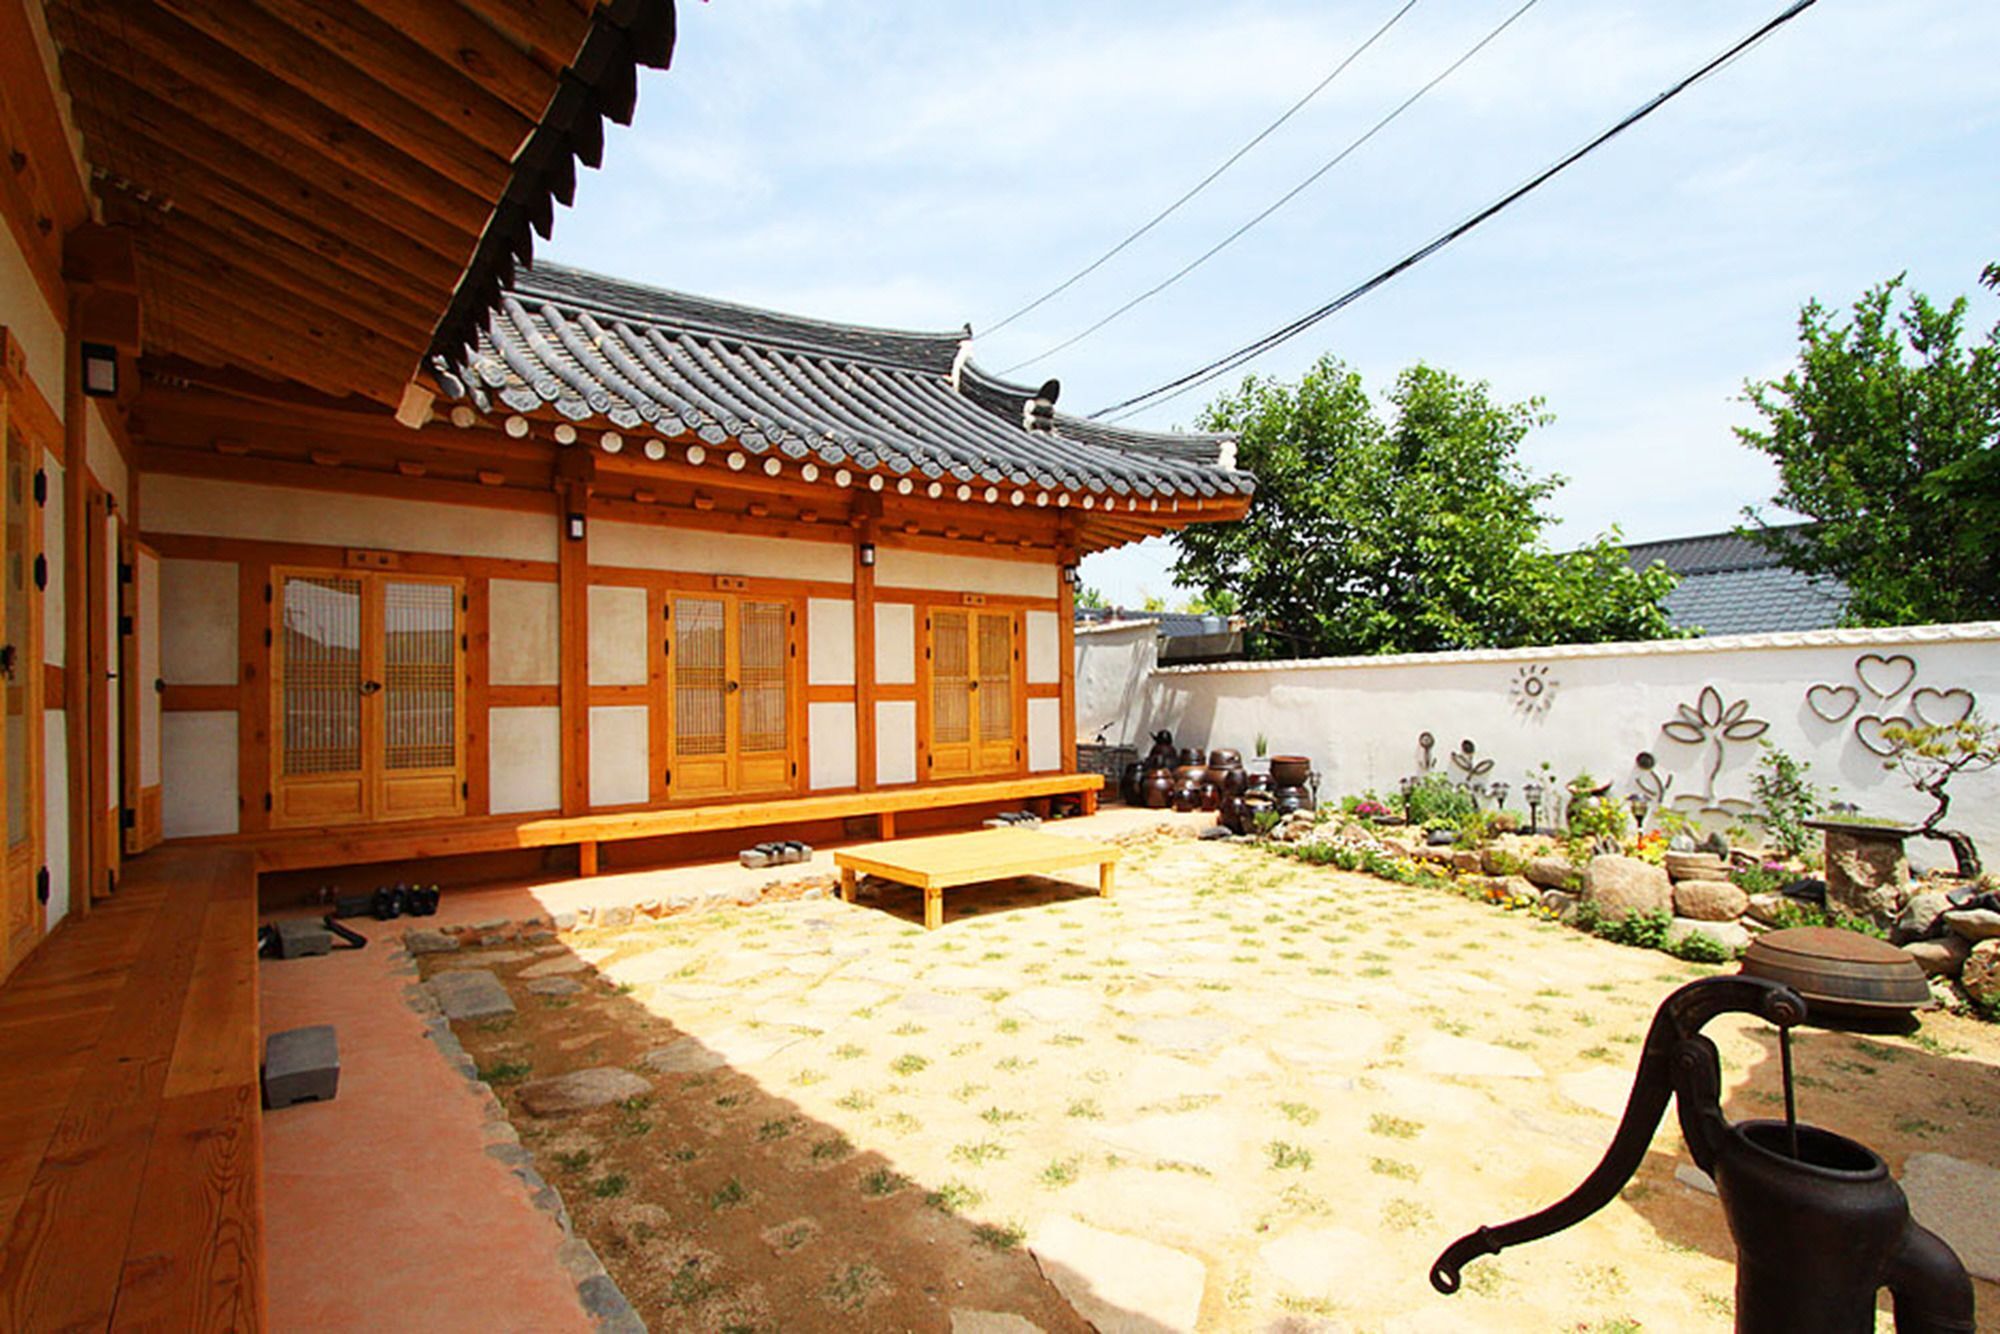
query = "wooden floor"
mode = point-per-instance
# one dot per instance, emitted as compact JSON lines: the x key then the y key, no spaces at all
{"x":946,"y":861}
{"x":130,"y":1150}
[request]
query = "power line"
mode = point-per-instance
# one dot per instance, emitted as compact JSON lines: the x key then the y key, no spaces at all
{"x":1285,"y":198}
{"x":1209,"y":179}
{"x":1224,"y":364}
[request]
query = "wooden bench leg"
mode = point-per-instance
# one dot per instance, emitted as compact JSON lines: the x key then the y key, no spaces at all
{"x":1105,"y":872}
{"x":1090,"y":802}
{"x":885,"y":825}
{"x":586,"y":859}
{"x":933,"y":909}
{"x":847,"y":881}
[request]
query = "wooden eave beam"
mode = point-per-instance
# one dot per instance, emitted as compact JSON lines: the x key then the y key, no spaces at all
{"x":457,"y":38}
{"x":522,"y":495}
{"x":553,"y":31}
{"x":249,"y":339}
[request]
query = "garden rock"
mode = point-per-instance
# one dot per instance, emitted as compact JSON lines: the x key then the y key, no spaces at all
{"x":555,"y":986}
{"x":582,"y":1090}
{"x":470,"y":993}
{"x":1710,"y":900}
{"x":1519,"y":887}
{"x":1561,"y":902}
{"x":1943,"y":957}
{"x":1681,"y":842}
{"x":1919,"y":918}
{"x":1866,"y":877}
{"x":1981,"y":975}
{"x":683,"y":1056}
{"x":1768,"y":908}
{"x":1974,"y":924}
{"x":1620,"y":886}
{"x":1732,"y":936}
{"x":1717,"y":844}
{"x":1549,"y":872}
{"x":423,"y":940}
{"x":1696,"y":866}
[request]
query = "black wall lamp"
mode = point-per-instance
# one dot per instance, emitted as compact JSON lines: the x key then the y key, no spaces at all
{"x":100,"y":370}
{"x":575,"y":527}
{"x":867,"y":553}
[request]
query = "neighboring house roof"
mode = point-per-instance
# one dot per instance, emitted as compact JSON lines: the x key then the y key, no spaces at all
{"x":1172,"y":624}
{"x":1732,"y":586}
{"x":905,"y":404}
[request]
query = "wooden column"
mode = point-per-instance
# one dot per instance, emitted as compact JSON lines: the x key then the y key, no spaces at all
{"x":76,"y":617}
{"x":864,"y":661}
{"x":573,"y":470}
{"x":1066,"y":641}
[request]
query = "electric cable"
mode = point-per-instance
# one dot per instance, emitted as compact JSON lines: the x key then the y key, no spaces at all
{"x":1223,"y":365}
{"x":1283,"y":199}
{"x":1209,"y":179}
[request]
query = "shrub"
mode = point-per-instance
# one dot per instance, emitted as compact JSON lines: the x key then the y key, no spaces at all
{"x":1435,"y":802}
{"x":1643,"y":930}
{"x":1698,"y":948}
{"x":1788,"y":799}
{"x":1794,"y":913}
{"x":1766,"y":879}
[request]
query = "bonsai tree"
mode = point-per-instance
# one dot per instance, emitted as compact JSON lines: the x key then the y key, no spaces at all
{"x":1931,"y":756}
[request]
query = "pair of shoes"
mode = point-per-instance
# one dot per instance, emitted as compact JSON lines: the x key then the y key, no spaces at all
{"x":784,"y":853}
{"x":393,"y":901}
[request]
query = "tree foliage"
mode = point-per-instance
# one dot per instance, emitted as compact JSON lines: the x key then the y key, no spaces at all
{"x":1413,"y":531}
{"x":1887,"y":435}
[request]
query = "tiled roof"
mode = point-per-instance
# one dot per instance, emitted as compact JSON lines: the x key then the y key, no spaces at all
{"x":871,"y":400}
{"x":1731,"y":585}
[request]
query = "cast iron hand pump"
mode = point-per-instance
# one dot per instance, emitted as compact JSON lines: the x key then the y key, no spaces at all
{"x":1819,"y":1224}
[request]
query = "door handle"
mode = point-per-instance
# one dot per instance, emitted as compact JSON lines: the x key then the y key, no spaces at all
{"x":371,"y":687}
{"x":7,"y":656}
{"x":733,"y":687}
{"x":972,"y":685}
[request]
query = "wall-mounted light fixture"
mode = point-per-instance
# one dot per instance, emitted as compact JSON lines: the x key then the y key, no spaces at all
{"x":1069,"y":575}
{"x":576,"y":527}
{"x":867,"y":550}
{"x":100,"y":370}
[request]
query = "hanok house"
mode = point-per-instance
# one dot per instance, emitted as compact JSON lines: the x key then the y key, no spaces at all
{"x":330,"y":540}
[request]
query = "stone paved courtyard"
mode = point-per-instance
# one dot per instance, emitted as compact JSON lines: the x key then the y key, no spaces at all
{"x":1245,"y":1094}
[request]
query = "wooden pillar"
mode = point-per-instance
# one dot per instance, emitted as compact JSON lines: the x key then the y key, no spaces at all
{"x":76,"y":617}
{"x":573,"y":618}
{"x":1066,"y":652}
{"x":864,"y":661}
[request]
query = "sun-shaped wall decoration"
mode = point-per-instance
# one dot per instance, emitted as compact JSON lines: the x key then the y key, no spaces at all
{"x":1533,"y":690}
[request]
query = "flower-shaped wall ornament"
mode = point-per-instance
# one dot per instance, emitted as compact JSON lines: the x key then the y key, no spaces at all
{"x":1533,"y":690}
{"x":1711,"y":724}
{"x":1472,"y":769}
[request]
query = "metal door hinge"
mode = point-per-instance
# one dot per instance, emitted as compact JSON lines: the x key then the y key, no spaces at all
{"x":667,"y":777}
{"x":42,"y":572}
{"x":42,"y":498}
{"x":42,"y":885}
{"x":267,"y":592}
{"x":267,"y":801}
{"x":267,"y":638}
{"x":124,"y":572}
{"x":124,"y":625}
{"x":128,"y":818}
{"x":465,"y":791}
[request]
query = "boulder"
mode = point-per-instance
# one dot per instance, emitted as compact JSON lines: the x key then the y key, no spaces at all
{"x":1867,"y":875}
{"x":1943,"y":957}
{"x":1717,"y":843}
{"x":1518,"y":887}
{"x":1561,"y":902}
{"x":582,"y":1090}
{"x":1919,"y":918}
{"x":1696,"y":866}
{"x":1981,"y":975}
{"x":1620,"y":886}
{"x":1732,"y":936}
{"x":1767,"y":908}
{"x":1974,"y":924}
{"x":1467,"y":862}
{"x":1550,"y":872}
{"x":1710,"y":900}
{"x":1682,"y":841}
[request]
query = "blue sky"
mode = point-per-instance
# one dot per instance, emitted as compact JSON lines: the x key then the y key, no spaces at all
{"x":927,"y":165}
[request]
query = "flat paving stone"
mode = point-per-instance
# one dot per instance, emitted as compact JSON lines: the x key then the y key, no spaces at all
{"x":1347,"y":1042}
{"x":1164,"y":1079}
{"x":423,"y":940}
{"x":555,"y":986}
{"x":936,"y":1005}
{"x":1179,"y":1209}
{"x":470,"y":993}
{"x":1160,"y":1004}
{"x":637,"y":970}
{"x":582,"y":1090}
{"x":1443,"y":1054}
{"x":1960,"y":1201}
{"x":555,"y":967}
{"x":1208,"y":1140}
{"x":1602,"y":1091}
{"x":1120,"y":1284}
{"x":683,"y":1056}
{"x":1187,"y":1035}
{"x":991,"y":1322}
{"x":1323,"y":1264}
{"x":741,"y":1047}
{"x":1052,"y":1005}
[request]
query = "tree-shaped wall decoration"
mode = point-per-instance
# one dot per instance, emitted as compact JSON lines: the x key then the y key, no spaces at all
{"x":1708,"y":723}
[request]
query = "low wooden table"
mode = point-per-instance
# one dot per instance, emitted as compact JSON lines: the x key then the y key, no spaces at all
{"x":945,"y":861}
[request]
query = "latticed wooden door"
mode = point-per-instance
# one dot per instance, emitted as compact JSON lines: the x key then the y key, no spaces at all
{"x":971,"y":669}
{"x":731,"y":663}
{"x":20,"y":674}
{"x":368,"y":675}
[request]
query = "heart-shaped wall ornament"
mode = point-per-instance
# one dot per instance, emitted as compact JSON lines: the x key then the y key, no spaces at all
{"x":1868,"y":731}
{"x":1831,"y":703}
{"x":1941,"y":708}
{"x":1887,"y":677}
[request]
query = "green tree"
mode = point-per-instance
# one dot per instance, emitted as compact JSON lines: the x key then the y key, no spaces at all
{"x":1417,"y":532}
{"x":1090,"y":599}
{"x":1887,"y":436}
{"x":1221,"y":602}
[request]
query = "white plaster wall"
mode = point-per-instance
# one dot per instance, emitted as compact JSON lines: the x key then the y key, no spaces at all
{"x":25,"y":312}
{"x":148,"y":575}
{"x":617,"y":635}
{"x":55,"y":813}
{"x":1044,"y":647}
{"x":1359,"y":718}
{"x":1113,"y":665}
{"x":619,"y":760}
{"x":115,"y":764}
{"x":102,"y":451}
{"x":208,"y":508}
{"x":830,"y":730}
{"x":829,"y":642}
{"x":1044,"y":735}
{"x":198,"y":606}
{"x":52,"y":547}
{"x":525,"y":759}
{"x":523,"y":646}
{"x":895,"y":741}
{"x":895,"y":643}
{"x":646,"y":546}
{"x":198,"y":793}
{"x":903,"y":567}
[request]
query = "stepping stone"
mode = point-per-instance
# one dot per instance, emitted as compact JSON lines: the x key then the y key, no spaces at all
{"x":682,"y":1056}
{"x":485,"y":959}
{"x":1960,"y":1201}
{"x":844,"y":995}
{"x":555,"y":986}
{"x":1190,"y":1036}
{"x":655,"y":966}
{"x":1162,"y":1004}
{"x":1694,"y":1178}
{"x":423,"y":940}
{"x":582,"y":1090}
{"x":1164,"y":1079}
{"x":1179,"y":1209}
{"x":1326,"y":1264}
{"x":991,"y":1322}
{"x":976,"y":979}
{"x":1243,"y":1062}
{"x":694,"y":993}
{"x":743,"y":1047}
{"x":1346,"y":1041}
{"x":1603,"y":1091}
{"x":1443,"y":1054}
{"x":1207,"y":1140}
{"x":935,"y":1006}
{"x":560,"y":964}
{"x":1052,"y":1005}
{"x":1120,"y":1284}
{"x":470,"y":993}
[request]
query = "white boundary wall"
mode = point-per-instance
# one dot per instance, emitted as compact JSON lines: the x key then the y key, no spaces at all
{"x":1600,"y":706}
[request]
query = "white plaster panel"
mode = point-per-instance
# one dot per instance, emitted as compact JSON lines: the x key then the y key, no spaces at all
{"x":829,"y":642}
{"x":617,"y":635}
{"x":1044,"y":735}
{"x":209,"y":508}
{"x":1114,"y":664}
{"x":115,"y":786}
{"x":102,"y":451}
{"x":26,"y":313}
{"x":148,"y":575}
{"x":198,"y":602}
{"x":525,"y":773}
{"x":895,"y":643}
{"x":55,"y":812}
{"x":830,"y":729}
{"x":1044,"y":647}
{"x":198,"y":793}
{"x":523,"y":633}
{"x":619,"y":760}
{"x":903,"y":567}
{"x":647,"y":546}
{"x":895,"y":741}
{"x":52,"y":547}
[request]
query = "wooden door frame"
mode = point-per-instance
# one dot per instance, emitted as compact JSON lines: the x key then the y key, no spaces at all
{"x":663,"y":662}
{"x":27,"y":872}
{"x":142,"y":823}
{"x":1017,"y":685}
{"x":99,"y":815}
